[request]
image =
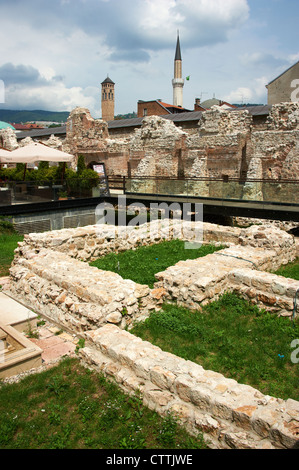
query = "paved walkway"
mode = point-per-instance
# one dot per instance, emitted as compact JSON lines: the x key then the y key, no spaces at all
{"x":54,"y":342}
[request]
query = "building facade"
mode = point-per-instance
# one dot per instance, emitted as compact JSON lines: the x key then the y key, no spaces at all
{"x":285,"y":87}
{"x":157,"y":108}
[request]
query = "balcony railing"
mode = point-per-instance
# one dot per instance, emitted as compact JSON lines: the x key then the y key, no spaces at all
{"x":228,"y":189}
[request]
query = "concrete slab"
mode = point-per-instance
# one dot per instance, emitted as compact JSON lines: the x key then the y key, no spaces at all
{"x":51,"y":344}
{"x":16,"y":315}
{"x":17,"y":353}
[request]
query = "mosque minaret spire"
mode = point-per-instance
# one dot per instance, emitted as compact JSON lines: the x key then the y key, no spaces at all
{"x":178,"y":81}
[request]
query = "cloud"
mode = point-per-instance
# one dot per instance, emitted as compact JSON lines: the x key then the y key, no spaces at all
{"x":57,"y":53}
{"x":56,"y":97}
{"x":249,"y":94}
{"x":263,"y":59}
{"x":152,"y":24}
{"x":130,"y":56}
{"x":132,"y":27}
{"x":28,"y":88}
{"x":20,"y":74}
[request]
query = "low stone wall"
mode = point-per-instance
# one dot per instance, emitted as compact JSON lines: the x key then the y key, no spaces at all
{"x":76,"y":295}
{"x":231,"y":415}
{"x":194,"y":283}
{"x":275,"y":293}
{"x":94,"y":241}
{"x":49,"y":276}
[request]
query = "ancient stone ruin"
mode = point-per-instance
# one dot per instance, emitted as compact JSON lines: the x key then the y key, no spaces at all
{"x":50,"y":274}
{"x":224,"y":144}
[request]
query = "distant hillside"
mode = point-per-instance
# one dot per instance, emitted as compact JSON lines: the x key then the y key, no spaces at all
{"x":247,"y":104}
{"x":8,"y":115}
{"x":126,"y":116}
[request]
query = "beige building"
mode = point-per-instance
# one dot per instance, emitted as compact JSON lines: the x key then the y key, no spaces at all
{"x":285,"y":87}
{"x":108,"y":99}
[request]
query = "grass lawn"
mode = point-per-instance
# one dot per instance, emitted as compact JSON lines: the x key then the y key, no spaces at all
{"x":70,"y":407}
{"x":232,"y":337}
{"x":8,"y":243}
{"x":290,"y":270}
{"x":142,"y":264}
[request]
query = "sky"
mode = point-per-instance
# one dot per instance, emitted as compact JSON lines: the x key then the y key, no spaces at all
{"x":55,"y":54}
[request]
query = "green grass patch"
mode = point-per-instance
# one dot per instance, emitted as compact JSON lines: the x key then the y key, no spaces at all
{"x":290,"y":270}
{"x":8,"y":243}
{"x":142,"y":264}
{"x":70,"y":407}
{"x":232,"y":337}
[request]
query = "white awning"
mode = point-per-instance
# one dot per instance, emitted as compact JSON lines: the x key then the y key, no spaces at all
{"x":35,"y":152}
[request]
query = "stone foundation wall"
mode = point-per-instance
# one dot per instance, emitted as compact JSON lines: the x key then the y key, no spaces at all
{"x":80,"y":291}
{"x":49,"y":276}
{"x":275,"y":293}
{"x":231,"y":415}
{"x":76,"y":295}
{"x":94,"y":241}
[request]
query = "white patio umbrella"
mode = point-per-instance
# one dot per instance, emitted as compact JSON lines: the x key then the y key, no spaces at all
{"x":3,"y":153}
{"x":36,"y":152}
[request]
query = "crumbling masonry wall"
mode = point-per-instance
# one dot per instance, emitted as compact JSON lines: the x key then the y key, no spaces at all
{"x":226,"y":144}
{"x":50,"y":275}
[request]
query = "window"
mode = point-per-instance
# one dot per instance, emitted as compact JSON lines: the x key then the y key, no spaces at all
{"x":145,"y":112}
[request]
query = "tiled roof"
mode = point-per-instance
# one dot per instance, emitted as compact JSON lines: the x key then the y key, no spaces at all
{"x":42,"y":132}
{"x":108,"y":80}
{"x":262,"y":110}
{"x":5,"y":125}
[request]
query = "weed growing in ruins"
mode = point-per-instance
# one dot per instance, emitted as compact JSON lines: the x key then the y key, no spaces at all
{"x":142,"y":264}
{"x":233,"y":337}
{"x":71,"y":407}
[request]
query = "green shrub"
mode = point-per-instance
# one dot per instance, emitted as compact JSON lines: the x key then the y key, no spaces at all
{"x":81,"y":164}
{"x":45,"y":174}
{"x":88,"y":179}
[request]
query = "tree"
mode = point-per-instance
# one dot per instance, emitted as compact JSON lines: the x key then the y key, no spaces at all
{"x":81,"y":164}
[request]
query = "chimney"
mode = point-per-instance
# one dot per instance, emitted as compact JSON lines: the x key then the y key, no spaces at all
{"x":197,"y":103}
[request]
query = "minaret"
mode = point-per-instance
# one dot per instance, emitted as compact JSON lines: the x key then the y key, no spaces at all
{"x":178,"y":81}
{"x":108,"y":99}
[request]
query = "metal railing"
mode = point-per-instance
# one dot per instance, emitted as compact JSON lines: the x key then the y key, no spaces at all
{"x":226,"y":188}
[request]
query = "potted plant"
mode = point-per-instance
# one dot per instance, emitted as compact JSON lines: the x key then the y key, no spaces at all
{"x":62,"y":195}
